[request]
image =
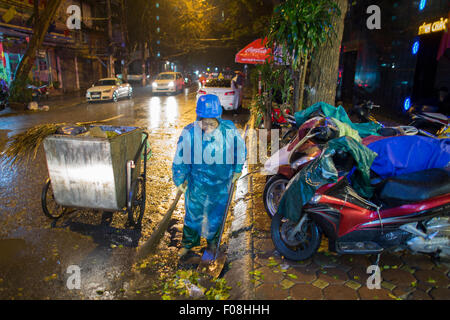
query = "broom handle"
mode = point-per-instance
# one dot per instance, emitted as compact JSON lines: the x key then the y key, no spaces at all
{"x":230,"y":198}
{"x":151,"y":244}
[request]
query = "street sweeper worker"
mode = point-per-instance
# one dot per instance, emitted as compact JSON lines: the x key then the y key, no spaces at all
{"x":209,"y":158}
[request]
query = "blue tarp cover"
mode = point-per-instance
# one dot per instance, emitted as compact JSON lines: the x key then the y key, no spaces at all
{"x":407,"y":154}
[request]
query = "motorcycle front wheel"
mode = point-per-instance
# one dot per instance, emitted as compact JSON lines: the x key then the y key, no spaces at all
{"x":273,"y":191}
{"x":298,"y":247}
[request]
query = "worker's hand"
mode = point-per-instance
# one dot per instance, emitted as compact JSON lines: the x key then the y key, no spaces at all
{"x":236,"y":176}
{"x":182,"y":187}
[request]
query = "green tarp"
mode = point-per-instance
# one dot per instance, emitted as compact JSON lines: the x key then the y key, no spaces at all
{"x":322,"y":171}
{"x":364,"y":129}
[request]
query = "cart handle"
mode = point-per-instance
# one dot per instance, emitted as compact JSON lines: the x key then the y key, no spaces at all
{"x":131,"y":166}
{"x":144,"y":143}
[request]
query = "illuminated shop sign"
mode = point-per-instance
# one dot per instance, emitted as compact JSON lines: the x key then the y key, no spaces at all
{"x":436,"y":26}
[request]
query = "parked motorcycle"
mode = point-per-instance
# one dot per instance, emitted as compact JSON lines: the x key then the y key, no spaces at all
{"x":305,"y":147}
{"x":430,"y":122}
{"x":409,"y":211}
{"x":363,"y":111}
{"x":39,"y":92}
{"x":425,"y":118}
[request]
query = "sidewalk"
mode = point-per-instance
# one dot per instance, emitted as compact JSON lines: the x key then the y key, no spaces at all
{"x":327,"y":275}
{"x":57,"y":102}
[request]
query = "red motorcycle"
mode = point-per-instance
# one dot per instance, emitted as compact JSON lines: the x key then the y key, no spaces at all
{"x":409,"y":211}
{"x":302,"y":149}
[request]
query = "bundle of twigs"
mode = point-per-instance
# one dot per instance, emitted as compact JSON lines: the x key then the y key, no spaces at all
{"x":24,"y":147}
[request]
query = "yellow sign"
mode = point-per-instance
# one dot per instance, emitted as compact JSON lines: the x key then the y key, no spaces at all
{"x":437,"y":26}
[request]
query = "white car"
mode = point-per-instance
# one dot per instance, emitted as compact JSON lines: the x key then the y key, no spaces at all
{"x":168,"y":82}
{"x":229,"y":95}
{"x":109,"y":89}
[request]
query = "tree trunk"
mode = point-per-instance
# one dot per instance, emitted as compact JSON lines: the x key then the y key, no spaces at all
{"x":324,"y":65}
{"x":144,"y":58}
{"x":39,"y":31}
{"x":268,"y":115}
{"x":35,"y":11}
{"x":302,"y":82}
{"x":296,"y":76}
{"x":111,"y":71}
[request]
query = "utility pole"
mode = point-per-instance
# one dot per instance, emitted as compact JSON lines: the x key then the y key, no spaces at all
{"x":110,"y":35}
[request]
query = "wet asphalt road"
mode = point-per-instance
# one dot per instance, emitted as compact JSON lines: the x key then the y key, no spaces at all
{"x":35,"y":253}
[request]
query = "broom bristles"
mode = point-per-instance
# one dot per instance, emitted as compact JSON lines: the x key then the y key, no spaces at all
{"x":24,"y":147}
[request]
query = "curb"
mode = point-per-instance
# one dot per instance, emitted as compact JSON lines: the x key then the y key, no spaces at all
{"x":240,"y":249}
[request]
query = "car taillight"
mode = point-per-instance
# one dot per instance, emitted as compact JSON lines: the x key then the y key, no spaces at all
{"x":229,"y":93}
{"x":201,"y":92}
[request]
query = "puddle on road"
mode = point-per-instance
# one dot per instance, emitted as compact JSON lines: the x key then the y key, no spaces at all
{"x":3,"y":138}
{"x":10,"y":250}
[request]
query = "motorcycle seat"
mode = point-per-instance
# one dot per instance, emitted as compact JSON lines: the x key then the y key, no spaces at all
{"x":414,"y":187}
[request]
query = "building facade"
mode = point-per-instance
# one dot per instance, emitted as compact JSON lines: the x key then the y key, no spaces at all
{"x":69,"y":59}
{"x":399,"y":64}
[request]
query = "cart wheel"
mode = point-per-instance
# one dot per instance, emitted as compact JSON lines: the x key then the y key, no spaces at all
{"x":49,"y":206}
{"x":136,"y":212}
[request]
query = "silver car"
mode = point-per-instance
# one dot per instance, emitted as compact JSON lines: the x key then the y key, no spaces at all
{"x":109,"y":89}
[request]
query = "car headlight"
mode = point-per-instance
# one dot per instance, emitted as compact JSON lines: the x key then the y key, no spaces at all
{"x":155,"y":85}
{"x":171,"y":84}
{"x":88,"y":94}
{"x":107,"y":91}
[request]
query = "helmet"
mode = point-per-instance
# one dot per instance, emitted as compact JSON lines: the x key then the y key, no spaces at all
{"x":208,"y":106}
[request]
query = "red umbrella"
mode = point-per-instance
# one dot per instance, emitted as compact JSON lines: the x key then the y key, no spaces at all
{"x":255,"y":53}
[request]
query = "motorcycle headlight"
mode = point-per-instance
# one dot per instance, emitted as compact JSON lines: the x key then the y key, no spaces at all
{"x":171,"y":84}
{"x":315,"y":199}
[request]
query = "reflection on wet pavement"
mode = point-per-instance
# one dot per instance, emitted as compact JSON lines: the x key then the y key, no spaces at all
{"x":36,"y":252}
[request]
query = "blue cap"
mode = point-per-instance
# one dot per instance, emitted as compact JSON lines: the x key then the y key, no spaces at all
{"x":208,"y":106}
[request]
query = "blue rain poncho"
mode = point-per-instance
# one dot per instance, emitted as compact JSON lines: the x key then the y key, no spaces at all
{"x":207,"y":163}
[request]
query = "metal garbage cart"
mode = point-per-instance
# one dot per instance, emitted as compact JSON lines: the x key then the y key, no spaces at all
{"x":107,"y":174}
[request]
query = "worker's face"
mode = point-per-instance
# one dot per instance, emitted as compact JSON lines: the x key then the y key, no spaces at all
{"x":209,"y":125}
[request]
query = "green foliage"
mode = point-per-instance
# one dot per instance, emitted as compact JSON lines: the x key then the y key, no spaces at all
{"x":179,"y":286}
{"x":188,"y":26}
{"x":300,"y":26}
{"x":275,"y":79}
{"x":20,"y":93}
{"x":220,"y":291}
